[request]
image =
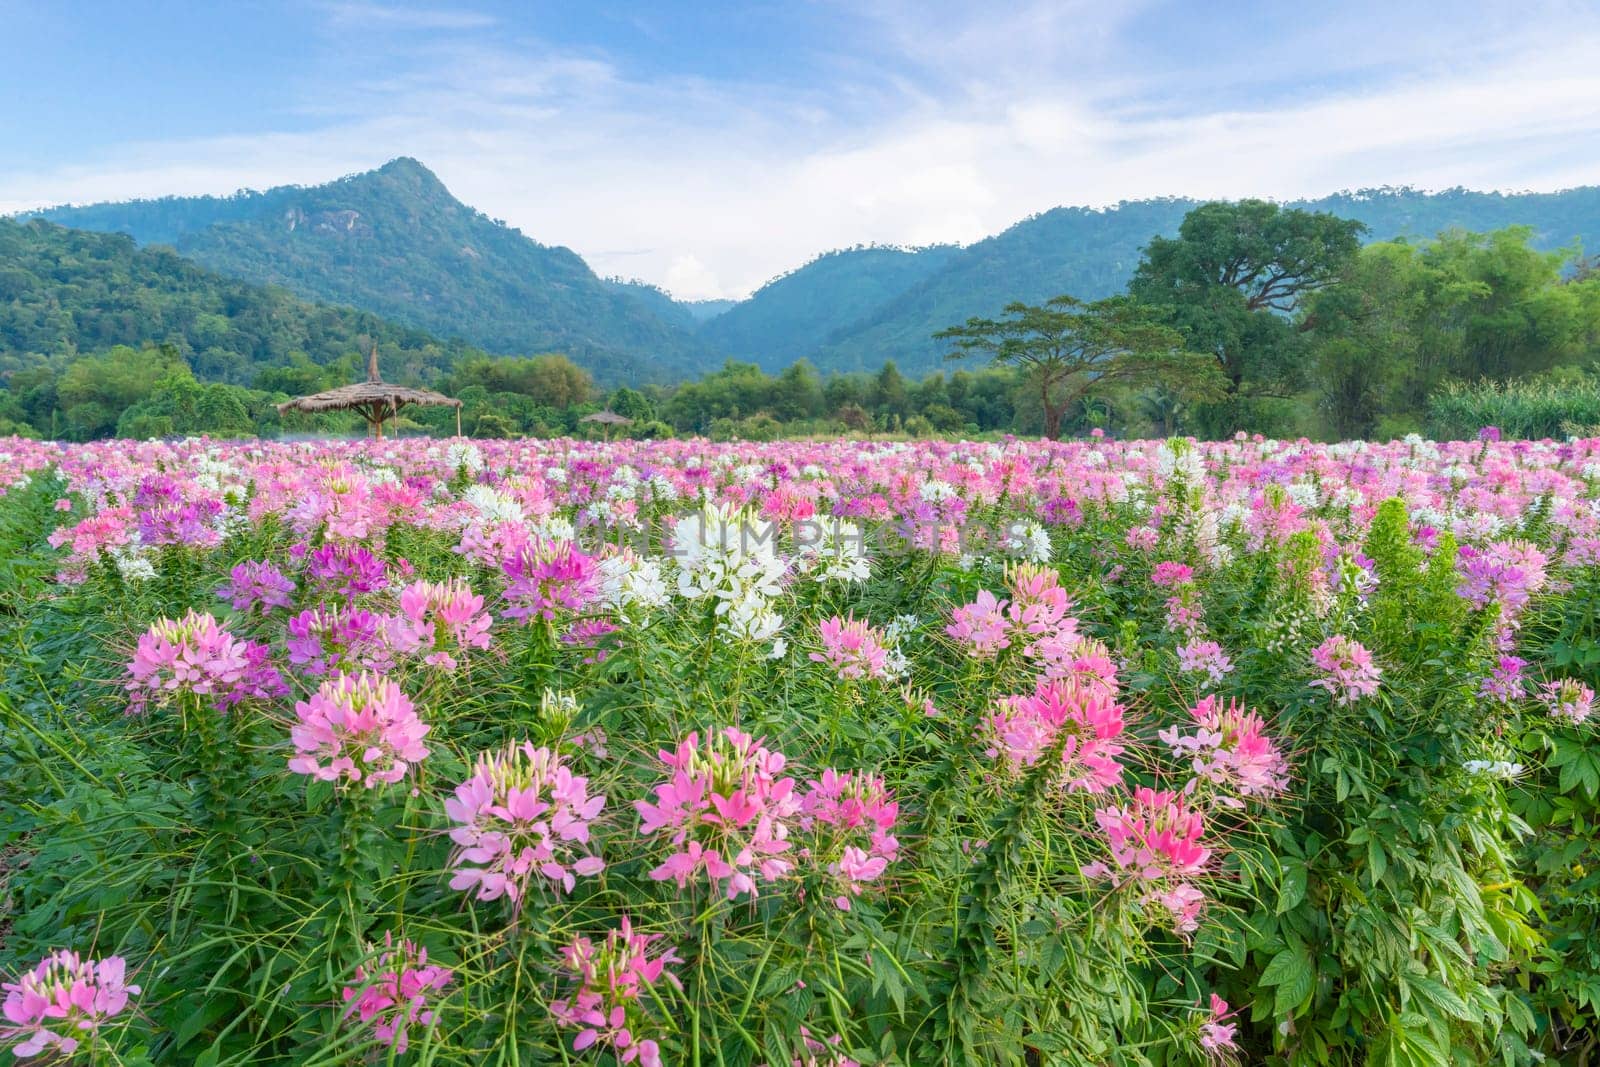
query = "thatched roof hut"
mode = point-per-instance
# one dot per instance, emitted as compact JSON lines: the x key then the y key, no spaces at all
{"x":606,"y":420}
{"x":375,"y":399}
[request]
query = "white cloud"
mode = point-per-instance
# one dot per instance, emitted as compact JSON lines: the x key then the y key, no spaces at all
{"x":712,"y":188}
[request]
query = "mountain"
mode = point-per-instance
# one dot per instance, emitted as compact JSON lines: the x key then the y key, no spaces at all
{"x":1092,"y":253}
{"x":64,"y":292}
{"x":686,"y":315}
{"x":395,"y":242}
{"x":795,"y":314}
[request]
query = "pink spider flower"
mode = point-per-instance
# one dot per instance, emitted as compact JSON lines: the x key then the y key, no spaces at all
{"x":1568,"y":699}
{"x":1348,"y":673}
{"x":1170,"y":573}
{"x":823,"y":1053}
{"x":982,"y":626}
{"x":1205,"y":658}
{"x":357,"y":728}
{"x":522,"y":813}
{"x":1218,"y":1036}
{"x":63,"y":1000}
{"x":256,"y":585}
{"x":852,"y":815}
{"x":1156,"y":842}
{"x":1185,"y":613}
{"x":345,"y":570}
{"x":196,"y":655}
{"x":1021,"y":729}
{"x":1505,"y":683}
{"x":393,"y":996}
{"x":438,"y":621}
{"x":1231,"y":748}
{"x":334,"y":637}
{"x":853,"y":649}
{"x":725,"y":808}
{"x":1506,"y":573}
{"x":547,"y":579}
{"x":607,"y":1006}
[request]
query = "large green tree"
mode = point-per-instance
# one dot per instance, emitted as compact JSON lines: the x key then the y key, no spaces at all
{"x":1069,"y":349}
{"x":1234,"y":282}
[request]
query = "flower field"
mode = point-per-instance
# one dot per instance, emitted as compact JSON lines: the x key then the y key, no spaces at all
{"x":549,"y":752}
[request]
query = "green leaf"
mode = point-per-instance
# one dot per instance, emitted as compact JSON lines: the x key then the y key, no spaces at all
{"x":1291,"y":887}
{"x":1292,"y":973}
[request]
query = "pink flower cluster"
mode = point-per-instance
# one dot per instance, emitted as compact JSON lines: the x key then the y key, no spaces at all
{"x":1506,"y":573}
{"x":345,"y":570}
{"x":1155,"y":842}
{"x":856,"y":813}
{"x":523,"y":812}
{"x":1217,"y":1035}
{"x":394,"y":995}
{"x":1348,"y":673}
{"x":548,"y":579}
{"x":1021,"y":729}
{"x":64,"y":999}
{"x":357,"y":728}
{"x":853,"y":649}
{"x":725,"y":808}
{"x":1035,"y":618}
{"x":196,"y":655}
{"x":1568,"y":699}
{"x":1505,"y":682}
{"x":1231,"y":748}
{"x":438,"y":621}
{"x":607,"y":1007}
{"x":1206,"y":659}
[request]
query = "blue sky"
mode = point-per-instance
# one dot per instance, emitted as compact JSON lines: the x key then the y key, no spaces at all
{"x":706,"y":147}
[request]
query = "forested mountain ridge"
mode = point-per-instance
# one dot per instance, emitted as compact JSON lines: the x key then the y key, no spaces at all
{"x":794,"y":315}
{"x":1092,"y":253}
{"x":395,"y":242}
{"x":89,"y":322}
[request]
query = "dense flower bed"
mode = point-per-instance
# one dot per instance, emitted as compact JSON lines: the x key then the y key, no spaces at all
{"x":800,"y":753}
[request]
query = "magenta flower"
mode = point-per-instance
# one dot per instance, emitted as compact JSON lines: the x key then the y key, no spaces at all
{"x":255,"y":585}
{"x":345,"y":570}
{"x":1231,"y":748}
{"x":607,"y":1006}
{"x":522,"y":813}
{"x":1023,"y":728}
{"x":438,"y":621}
{"x":1168,"y":574}
{"x":725,"y":810}
{"x":1568,"y":699}
{"x":64,"y":999}
{"x":195,"y":655}
{"x":546,"y":579}
{"x":853,"y":649}
{"x":1505,"y":682}
{"x":394,"y":995}
{"x":1348,"y":673}
{"x":337,"y":638}
{"x":357,"y":728}
{"x":1506,"y":573}
{"x":852,"y":816}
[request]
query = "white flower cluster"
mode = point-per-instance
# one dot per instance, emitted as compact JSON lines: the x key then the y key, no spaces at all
{"x":831,"y":549}
{"x":1027,"y":540}
{"x":631,"y":585}
{"x":492,"y":504}
{"x":728,"y":554}
{"x":463,"y":456}
{"x":1493,"y":768}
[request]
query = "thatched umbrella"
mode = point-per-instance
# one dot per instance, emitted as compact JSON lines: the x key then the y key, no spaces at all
{"x":374,"y":398}
{"x":608,"y":419}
